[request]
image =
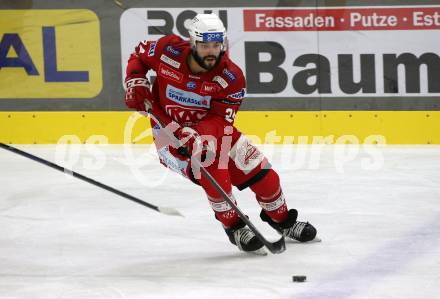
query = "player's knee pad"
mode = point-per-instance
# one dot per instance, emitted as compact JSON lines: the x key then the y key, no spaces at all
{"x":245,"y":155}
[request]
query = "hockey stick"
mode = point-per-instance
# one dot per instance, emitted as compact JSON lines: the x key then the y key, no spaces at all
{"x":163,"y":210}
{"x":274,"y":247}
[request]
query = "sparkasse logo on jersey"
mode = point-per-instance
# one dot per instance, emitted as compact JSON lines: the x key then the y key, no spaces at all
{"x":50,"y":54}
{"x":187,"y":98}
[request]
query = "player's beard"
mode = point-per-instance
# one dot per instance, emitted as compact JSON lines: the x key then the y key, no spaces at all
{"x":202,"y":60}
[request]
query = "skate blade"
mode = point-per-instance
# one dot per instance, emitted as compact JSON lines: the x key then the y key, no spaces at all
{"x":315,"y":240}
{"x":260,"y":251}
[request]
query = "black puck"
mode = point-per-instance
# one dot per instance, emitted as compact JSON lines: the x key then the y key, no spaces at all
{"x":299,"y":278}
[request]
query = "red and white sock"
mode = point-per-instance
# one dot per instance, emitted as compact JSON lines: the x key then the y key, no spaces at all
{"x":222,"y":209}
{"x":224,"y":212}
{"x":270,"y":196}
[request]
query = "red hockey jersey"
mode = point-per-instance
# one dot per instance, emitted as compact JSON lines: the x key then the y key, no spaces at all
{"x":184,"y":97}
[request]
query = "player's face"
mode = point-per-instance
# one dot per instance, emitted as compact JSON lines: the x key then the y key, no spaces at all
{"x":208,"y":53}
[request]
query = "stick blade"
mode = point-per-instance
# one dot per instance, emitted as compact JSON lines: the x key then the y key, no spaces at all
{"x":169,"y":211}
{"x":278,"y":246}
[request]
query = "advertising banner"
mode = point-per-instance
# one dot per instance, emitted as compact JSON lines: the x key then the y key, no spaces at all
{"x":50,"y":54}
{"x":315,"y":52}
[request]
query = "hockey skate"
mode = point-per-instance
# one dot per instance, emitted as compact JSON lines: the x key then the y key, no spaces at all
{"x":290,"y":228}
{"x":245,"y":239}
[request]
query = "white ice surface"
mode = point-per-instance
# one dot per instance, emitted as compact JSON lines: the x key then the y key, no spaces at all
{"x":63,"y":238}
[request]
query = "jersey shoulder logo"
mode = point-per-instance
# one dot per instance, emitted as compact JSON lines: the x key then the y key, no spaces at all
{"x":229,"y":75}
{"x":238,"y":95}
{"x":170,"y":61}
{"x":142,"y":45}
{"x":172,"y":50}
{"x":152,"y":49}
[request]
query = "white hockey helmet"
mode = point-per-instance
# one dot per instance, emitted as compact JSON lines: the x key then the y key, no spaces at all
{"x":207,"y":28}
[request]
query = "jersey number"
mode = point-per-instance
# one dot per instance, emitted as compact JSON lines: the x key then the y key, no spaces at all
{"x":230,"y":115}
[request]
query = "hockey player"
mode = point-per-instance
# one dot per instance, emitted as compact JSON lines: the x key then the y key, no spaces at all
{"x":197,"y":93}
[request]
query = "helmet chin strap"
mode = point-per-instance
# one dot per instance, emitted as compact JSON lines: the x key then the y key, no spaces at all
{"x":200,"y":61}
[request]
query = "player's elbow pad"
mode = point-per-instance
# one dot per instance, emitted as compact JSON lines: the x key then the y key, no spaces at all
{"x":135,"y":67}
